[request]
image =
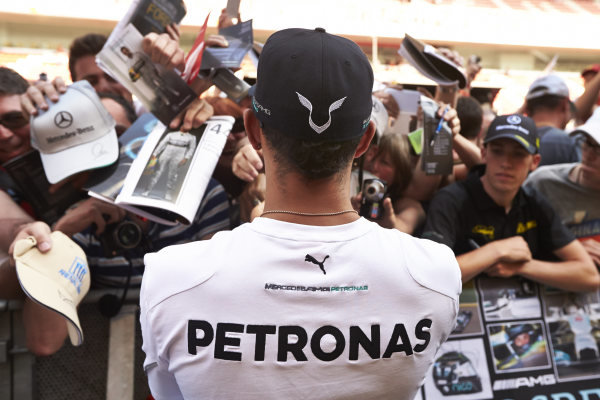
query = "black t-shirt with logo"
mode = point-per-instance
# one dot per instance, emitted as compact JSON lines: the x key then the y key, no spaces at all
{"x":463,"y":216}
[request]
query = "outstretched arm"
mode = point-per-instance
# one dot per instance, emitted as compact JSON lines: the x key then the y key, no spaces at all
{"x":45,"y":330}
{"x":422,"y":187}
{"x":576,"y":272}
{"x":584,"y":104}
{"x":511,"y":251}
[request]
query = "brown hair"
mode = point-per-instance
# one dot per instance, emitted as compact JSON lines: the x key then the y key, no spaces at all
{"x":397,"y":147}
{"x":548,"y":103}
{"x":11,"y":82}
{"x":87,"y":45}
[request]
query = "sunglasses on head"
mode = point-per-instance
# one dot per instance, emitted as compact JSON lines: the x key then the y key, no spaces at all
{"x":13,"y":120}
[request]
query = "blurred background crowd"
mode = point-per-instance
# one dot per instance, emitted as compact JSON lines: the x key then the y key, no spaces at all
{"x":538,"y":58}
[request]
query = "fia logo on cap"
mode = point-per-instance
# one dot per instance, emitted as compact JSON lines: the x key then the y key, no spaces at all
{"x":63,"y":119}
{"x":76,"y":273}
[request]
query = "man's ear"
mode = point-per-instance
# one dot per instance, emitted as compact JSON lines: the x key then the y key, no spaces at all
{"x":537,"y":158}
{"x":484,"y":154}
{"x":253,"y":131}
{"x":365,"y":140}
{"x":567,"y":106}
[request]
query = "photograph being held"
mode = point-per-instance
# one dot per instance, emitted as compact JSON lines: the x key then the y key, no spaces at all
{"x":169,"y":158}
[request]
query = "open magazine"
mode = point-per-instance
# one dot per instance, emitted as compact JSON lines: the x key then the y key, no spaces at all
{"x":240,"y":40}
{"x":162,"y":174}
{"x":217,"y":61}
{"x":431,"y":62}
{"x":163,"y":92}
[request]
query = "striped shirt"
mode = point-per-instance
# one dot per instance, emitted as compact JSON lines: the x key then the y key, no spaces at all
{"x":212,"y":216}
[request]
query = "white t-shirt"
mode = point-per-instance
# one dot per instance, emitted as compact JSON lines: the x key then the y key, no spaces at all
{"x":280,"y":310}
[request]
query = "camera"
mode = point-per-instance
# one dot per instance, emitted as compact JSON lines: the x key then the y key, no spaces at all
{"x":373,"y":193}
{"x":121,"y":236}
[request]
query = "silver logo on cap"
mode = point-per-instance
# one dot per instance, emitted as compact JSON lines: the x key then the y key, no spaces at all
{"x":63,"y":119}
{"x":334,"y":106}
{"x":514,"y":119}
{"x":98,"y":150}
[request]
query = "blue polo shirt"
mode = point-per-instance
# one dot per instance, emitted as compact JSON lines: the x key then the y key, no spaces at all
{"x":557,"y":147}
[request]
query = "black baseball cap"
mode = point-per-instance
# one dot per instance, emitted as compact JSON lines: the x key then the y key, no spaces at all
{"x":517,"y":127}
{"x":314,"y":86}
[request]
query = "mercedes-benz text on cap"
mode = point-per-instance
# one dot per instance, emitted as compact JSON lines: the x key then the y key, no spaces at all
{"x":516,"y":127}
{"x":75,"y":134}
{"x":313,"y":85}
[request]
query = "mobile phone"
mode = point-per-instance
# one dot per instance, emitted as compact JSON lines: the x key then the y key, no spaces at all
{"x":233,"y":8}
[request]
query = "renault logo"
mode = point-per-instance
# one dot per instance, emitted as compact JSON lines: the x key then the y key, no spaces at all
{"x":63,"y":119}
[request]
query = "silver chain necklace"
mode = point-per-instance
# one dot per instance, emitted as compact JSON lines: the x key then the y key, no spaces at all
{"x":305,"y":214}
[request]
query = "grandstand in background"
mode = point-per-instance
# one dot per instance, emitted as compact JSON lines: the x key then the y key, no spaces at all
{"x":516,"y":39}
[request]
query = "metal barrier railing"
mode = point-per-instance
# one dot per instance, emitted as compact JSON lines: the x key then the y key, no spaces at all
{"x":108,"y":365}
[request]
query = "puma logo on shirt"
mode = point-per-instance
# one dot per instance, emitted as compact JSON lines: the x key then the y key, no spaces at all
{"x":313,"y":260}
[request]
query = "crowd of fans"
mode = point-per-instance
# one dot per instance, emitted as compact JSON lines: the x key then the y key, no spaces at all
{"x":533,"y":186}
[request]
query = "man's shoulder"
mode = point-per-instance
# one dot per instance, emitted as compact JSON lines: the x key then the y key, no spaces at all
{"x":456,"y":191}
{"x":549,"y":134}
{"x":450,"y":208}
{"x":175,"y":269}
{"x":457,"y":196}
{"x":550,"y":130}
{"x":431,"y":264}
{"x":555,"y":173}
{"x":536,"y":200}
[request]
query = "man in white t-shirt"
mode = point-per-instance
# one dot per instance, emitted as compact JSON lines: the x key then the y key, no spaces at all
{"x":308,"y":300}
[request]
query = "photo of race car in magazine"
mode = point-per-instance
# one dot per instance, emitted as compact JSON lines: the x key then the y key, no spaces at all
{"x":574,"y":328}
{"x":510,"y":298}
{"x":468,"y":321}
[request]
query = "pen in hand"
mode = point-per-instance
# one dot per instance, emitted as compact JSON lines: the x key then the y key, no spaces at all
{"x":473,"y":244}
{"x":439,"y":126}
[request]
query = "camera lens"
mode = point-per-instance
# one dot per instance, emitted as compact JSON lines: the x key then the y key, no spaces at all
{"x":128,"y":234}
{"x":374,"y":190}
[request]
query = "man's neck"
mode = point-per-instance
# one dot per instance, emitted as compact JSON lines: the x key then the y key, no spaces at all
{"x":577,"y":176}
{"x":295,"y":194}
{"x":501,"y":198}
{"x":543,"y":118}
